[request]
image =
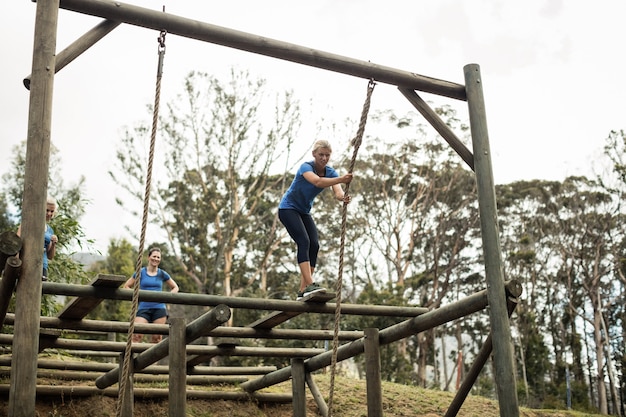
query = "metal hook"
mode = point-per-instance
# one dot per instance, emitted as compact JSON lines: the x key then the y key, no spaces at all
{"x":161,"y":40}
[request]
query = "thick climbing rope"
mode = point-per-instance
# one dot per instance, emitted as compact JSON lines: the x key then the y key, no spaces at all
{"x":125,"y":377}
{"x":356,"y":142}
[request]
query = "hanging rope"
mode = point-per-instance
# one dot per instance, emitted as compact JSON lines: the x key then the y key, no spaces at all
{"x":356,"y":142}
{"x":144,"y":221}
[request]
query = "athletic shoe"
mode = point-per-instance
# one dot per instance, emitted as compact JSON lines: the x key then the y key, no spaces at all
{"x":311,"y":289}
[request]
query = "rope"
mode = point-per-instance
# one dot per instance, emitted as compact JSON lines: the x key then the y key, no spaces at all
{"x":356,"y":142}
{"x":144,"y":221}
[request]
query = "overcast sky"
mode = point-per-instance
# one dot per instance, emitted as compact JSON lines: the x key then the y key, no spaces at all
{"x":552,"y":71}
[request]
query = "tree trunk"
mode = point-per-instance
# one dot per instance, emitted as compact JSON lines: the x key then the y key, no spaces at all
{"x":597,"y":335}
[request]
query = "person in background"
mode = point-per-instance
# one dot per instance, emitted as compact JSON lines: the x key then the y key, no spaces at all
{"x":152,"y":279}
{"x":294,"y":210}
{"x":50,"y":240}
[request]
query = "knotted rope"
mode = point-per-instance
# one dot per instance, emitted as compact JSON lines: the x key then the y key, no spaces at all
{"x":124,"y":380}
{"x":356,"y":142}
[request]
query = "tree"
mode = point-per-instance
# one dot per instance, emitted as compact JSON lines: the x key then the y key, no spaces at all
{"x":66,"y":225}
{"x":415,"y":222}
{"x":218,"y":188}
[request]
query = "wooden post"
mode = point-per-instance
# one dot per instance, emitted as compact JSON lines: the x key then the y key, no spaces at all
{"x":178,"y":369}
{"x":10,"y":245}
{"x":474,"y":371}
{"x":7,"y":285}
{"x":128,"y":395}
{"x":297,"y":387}
{"x":500,"y":326}
{"x":372,"y":373}
{"x":317,"y":395}
{"x":28,"y":299}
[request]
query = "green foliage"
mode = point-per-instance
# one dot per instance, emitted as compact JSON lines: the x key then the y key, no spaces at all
{"x":66,"y":223}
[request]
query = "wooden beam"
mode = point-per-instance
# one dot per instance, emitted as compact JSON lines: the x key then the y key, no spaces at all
{"x":79,"y":307}
{"x":440,"y":126}
{"x":477,"y":366}
{"x":79,"y":46}
{"x":317,"y":395}
{"x":278,"y":317}
{"x":434,"y":318}
{"x":10,"y":245}
{"x":73,"y":391}
{"x":197,"y":328}
{"x":209,"y":300}
{"x":152,"y":19}
{"x":84,"y":366}
{"x":12,"y":267}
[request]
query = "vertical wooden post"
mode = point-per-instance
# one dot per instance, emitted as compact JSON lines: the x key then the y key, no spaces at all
{"x":297,"y":387}
{"x":372,"y":373}
{"x":178,"y":369}
{"x":500,"y":326}
{"x":28,"y":299}
{"x":129,"y":399}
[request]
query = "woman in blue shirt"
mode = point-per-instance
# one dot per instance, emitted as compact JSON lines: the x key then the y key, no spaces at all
{"x":294,"y":210}
{"x":152,"y":279}
{"x":50,"y":240}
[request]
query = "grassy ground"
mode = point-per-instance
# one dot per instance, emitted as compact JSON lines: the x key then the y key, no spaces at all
{"x":349,"y":399}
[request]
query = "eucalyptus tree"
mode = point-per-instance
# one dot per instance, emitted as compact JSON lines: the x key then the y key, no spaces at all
{"x":591,"y":232}
{"x":614,"y":180}
{"x":415,"y":219}
{"x":222,"y":151}
{"x":529,"y":223}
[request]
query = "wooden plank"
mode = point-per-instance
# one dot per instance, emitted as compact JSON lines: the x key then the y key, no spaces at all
{"x":277,"y":317}
{"x":266,"y":323}
{"x":79,"y":307}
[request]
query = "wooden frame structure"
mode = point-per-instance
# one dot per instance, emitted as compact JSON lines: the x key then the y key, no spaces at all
{"x":46,"y":63}
{"x":185,"y":368}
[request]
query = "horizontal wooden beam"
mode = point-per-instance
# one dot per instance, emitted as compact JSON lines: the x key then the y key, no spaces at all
{"x":209,"y":300}
{"x":73,"y":391}
{"x":220,"y":331}
{"x":91,"y":366}
{"x":194,"y":29}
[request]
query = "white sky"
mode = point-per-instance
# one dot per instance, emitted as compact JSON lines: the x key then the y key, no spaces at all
{"x":552,"y":71}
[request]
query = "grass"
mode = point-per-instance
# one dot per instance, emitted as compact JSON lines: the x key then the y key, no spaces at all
{"x":349,"y":401}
